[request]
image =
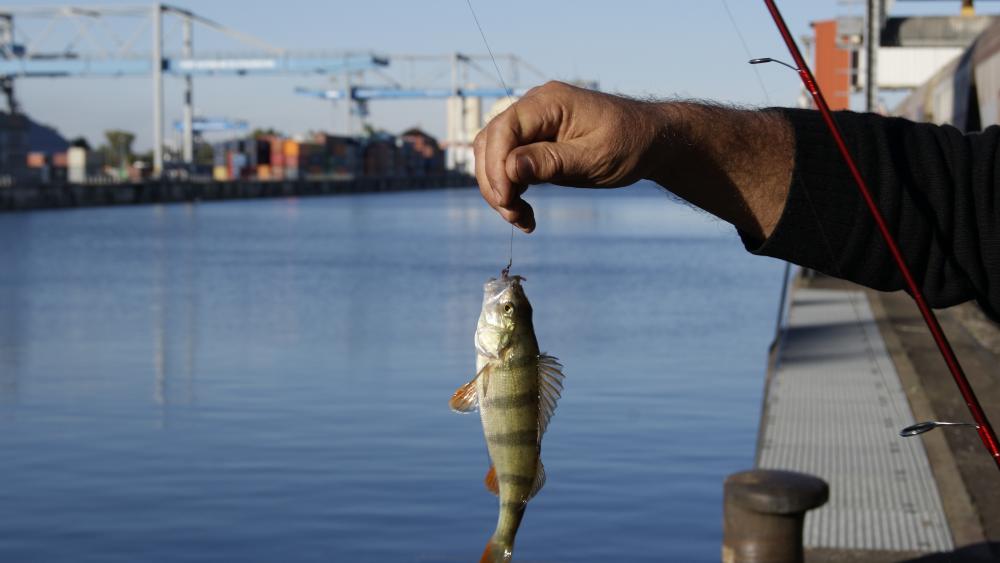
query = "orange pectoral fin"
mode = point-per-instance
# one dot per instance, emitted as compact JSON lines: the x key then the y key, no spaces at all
{"x":491,"y":482}
{"x":464,"y":400}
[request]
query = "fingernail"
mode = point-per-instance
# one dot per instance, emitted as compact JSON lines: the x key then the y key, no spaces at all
{"x":525,"y":167}
{"x":530,"y":220}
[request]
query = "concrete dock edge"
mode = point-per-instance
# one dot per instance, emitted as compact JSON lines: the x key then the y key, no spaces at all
{"x":967,"y":481}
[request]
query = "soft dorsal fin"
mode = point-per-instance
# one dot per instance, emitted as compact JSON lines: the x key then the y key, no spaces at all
{"x":465,"y":399}
{"x":550,"y":385}
{"x":539,"y":481}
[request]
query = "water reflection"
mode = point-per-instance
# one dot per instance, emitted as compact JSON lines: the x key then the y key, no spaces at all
{"x":15,"y":245}
{"x":174,"y":307}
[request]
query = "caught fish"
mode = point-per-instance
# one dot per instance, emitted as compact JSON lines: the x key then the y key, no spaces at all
{"x":515,"y":389}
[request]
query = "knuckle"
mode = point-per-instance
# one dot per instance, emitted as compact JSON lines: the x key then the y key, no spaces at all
{"x":549,"y":87}
{"x":554,"y":85}
{"x":553,"y":160}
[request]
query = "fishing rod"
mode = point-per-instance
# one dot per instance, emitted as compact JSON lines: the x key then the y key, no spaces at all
{"x":982,"y":423}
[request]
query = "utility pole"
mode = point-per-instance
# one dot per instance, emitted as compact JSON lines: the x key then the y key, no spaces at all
{"x":188,"y":53}
{"x":457,"y":141}
{"x":872,"y":40}
{"x":7,"y":51}
{"x":157,"y":89}
{"x":348,"y":104}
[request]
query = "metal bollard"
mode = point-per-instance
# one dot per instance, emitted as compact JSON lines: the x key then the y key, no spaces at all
{"x":763,"y":511}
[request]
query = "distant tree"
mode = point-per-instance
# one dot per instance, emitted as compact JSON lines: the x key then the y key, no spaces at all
{"x":118,"y":149}
{"x":203,"y":154}
{"x":370,"y":131}
{"x":268,"y":132}
{"x":146,"y":157}
{"x":80,"y":142}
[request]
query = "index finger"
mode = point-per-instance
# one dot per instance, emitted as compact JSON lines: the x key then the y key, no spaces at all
{"x":524,"y":122}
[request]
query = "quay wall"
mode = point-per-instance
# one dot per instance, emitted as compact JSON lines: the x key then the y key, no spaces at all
{"x":23,"y":197}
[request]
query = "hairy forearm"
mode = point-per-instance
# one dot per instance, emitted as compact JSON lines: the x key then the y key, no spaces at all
{"x":736,"y":164}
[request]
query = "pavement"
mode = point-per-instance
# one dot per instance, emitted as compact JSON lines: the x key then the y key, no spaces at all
{"x":966,"y":479}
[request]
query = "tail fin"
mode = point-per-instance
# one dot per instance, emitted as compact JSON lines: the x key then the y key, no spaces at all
{"x":497,"y":552}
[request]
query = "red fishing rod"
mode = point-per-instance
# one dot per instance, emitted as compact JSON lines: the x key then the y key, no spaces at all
{"x":986,"y":433}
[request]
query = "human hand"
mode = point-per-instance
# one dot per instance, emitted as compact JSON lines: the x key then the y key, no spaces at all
{"x":561,"y":134}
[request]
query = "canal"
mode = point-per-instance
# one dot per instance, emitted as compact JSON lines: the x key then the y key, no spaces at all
{"x":267,"y":380}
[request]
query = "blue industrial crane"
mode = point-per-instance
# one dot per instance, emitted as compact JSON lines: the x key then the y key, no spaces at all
{"x":389,"y":93}
{"x":213,"y":124}
{"x":24,"y":57}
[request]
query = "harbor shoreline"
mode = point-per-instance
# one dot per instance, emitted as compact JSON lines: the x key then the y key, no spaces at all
{"x":63,"y":196}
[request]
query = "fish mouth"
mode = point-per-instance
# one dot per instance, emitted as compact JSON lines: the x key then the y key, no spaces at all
{"x":498,"y":291}
{"x":495,"y":286}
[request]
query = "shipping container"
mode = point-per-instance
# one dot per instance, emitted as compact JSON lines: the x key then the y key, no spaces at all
{"x":238,"y":166}
{"x":380,"y":156}
{"x":343,"y":155}
{"x":219,"y":154}
{"x":277,"y":156}
{"x":312,"y":159}
{"x":422,"y":153}
{"x":262,"y":151}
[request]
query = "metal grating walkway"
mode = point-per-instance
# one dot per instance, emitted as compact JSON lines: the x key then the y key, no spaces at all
{"x":833,"y":408}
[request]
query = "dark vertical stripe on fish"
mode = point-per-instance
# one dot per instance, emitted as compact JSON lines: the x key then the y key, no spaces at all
{"x":507,"y":402}
{"x":516,"y":438}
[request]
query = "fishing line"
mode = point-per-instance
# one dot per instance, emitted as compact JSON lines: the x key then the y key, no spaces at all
{"x":869,"y":349}
{"x":503,"y":83}
{"x":787,"y":274}
{"x":488,"y":50}
{"x":746,"y":49}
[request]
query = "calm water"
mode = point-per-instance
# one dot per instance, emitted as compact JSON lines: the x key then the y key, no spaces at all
{"x":268,"y":380}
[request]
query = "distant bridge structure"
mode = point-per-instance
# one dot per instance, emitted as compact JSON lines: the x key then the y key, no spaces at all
{"x":157,"y":40}
{"x":77,"y":41}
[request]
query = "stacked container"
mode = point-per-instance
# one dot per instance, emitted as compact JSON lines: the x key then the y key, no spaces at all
{"x":380,"y":156}
{"x":291,"y":159}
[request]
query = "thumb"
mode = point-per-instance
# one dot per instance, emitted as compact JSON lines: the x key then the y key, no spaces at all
{"x":543,"y":162}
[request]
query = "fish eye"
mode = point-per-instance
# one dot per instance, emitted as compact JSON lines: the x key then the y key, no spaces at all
{"x":508,"y":307}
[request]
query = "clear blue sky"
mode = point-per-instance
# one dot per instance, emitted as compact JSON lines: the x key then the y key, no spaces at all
{"x":658,"y":48}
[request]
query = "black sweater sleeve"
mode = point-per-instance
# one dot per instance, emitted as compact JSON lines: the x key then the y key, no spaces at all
{"x":936,"y":187}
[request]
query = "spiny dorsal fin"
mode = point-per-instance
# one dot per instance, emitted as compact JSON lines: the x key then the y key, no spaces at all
{"x":465,"y":399}
{"x":550,"y":385}
{"x":491,"y":482}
